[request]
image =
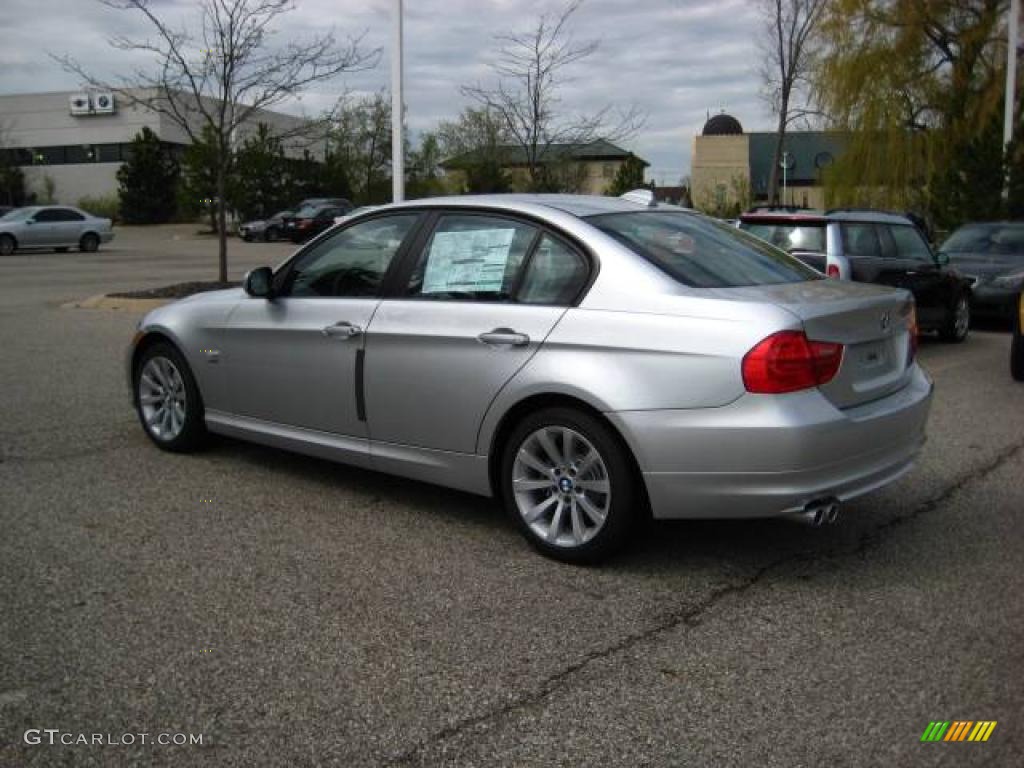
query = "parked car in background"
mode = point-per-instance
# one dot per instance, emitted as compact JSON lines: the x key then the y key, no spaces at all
{"x":56,"y":227}
{"x":309,"y":221}
{"x":355,"y":212}
{"x":991,"y":257}
{"x":578,"y":357}
{"x":268,"y":229}
{"x":316,"y":202}
{"x":1017,"y":344}
{"x":873,"y":247}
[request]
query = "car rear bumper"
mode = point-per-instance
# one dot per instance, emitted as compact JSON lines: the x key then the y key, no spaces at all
{"x":764,"y":456}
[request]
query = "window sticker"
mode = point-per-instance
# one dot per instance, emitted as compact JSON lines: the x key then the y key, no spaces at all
{"x":472,"y":261}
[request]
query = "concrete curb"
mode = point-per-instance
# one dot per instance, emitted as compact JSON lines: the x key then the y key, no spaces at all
{"x":117,"y":304}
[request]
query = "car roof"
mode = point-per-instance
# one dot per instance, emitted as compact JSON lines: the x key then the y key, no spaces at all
{"x":869,"y":217}
{"x":809,"y":217}
{"x":580,"y":206}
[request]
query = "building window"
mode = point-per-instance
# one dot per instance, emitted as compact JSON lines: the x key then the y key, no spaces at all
{"x":108,"y":153}
{"x":84,"y":153}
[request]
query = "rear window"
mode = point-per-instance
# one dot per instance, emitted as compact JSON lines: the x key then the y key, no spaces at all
{"x":701,"y":252}
{"x":788,"y":236}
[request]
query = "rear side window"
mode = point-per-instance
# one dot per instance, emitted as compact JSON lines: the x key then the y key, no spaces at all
{"x":555,"y":274}
{"x":700,"y":252}
{"x":473,"y":258}
{"x":788,"y":237}
{"x":861,"y":240}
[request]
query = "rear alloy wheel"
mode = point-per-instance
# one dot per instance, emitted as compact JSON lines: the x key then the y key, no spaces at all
{"x":958,"y":321}
{"x":1017,"y":347}
{"x":168,"y":401}
{"x":89,"y":243}
{"x":7,"y":245}
{"x":568,"y":482}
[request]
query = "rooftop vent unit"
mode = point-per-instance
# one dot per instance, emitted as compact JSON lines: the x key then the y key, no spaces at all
{"x":79,"y":103}
{"x":103,"y":103}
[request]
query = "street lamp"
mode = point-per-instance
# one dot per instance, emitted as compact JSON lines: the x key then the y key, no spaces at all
{"x":397,"y":139}
{"x":1012,"y":44}
{"x":785,"y":167}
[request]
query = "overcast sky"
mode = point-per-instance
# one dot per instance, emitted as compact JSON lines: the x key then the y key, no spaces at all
{"x":674,"y":59}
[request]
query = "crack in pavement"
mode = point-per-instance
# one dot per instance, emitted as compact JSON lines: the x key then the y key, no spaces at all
{"x":690,"y":615}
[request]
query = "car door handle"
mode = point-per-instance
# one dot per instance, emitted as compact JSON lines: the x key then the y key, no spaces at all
{"x":504,"y":337}
{"x":342,"y":330}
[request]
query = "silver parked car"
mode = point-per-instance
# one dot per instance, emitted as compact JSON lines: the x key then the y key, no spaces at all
{"x":584,"y":359}
{"x":56,"y":227}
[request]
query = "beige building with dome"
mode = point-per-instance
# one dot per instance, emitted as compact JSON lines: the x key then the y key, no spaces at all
{"x":731,"y":169}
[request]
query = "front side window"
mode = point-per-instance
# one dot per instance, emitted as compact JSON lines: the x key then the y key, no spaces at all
{"x":909,"y":243}
{"x":469,"y":257}
{"x":351,"y":262}
{"x":47,"y":215}
{"x":700,"y":252}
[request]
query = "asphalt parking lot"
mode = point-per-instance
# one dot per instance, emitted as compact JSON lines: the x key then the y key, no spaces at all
{"x":295,"y":612}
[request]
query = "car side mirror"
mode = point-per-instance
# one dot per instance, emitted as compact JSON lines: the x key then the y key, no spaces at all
{"x":259,"y":283}
{"x":942,"y":259}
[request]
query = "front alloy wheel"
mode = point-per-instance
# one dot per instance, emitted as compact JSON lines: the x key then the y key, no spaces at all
{"x":958,"y":321}
{"x":167,"y":399}
{"x":569,"y":484}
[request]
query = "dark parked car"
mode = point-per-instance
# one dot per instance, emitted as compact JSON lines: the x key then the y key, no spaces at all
{"x":310,"y":221}
{"x":316,"y":202}
{"x":873,"y":247}
{"x":270,"y":228}
{"x":991,"y":256}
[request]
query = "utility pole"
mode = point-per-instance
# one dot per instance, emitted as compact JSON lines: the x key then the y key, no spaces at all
{"x":1012,"y":44}
{"x":397,"y":116}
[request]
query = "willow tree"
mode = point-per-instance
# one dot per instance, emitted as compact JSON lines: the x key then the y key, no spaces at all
{"x":914,"y":82}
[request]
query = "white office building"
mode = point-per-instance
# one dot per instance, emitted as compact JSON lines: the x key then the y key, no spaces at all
{"x":80,"y":139}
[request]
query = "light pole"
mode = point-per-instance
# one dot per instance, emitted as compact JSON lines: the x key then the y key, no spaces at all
{"x":1012,"y":44}
{"x":397,"y":138}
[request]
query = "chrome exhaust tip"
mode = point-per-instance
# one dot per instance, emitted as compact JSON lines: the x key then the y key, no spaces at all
{"x":817,"y":513}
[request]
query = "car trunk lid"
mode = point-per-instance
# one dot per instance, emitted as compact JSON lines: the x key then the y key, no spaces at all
{"x":873,"y":323}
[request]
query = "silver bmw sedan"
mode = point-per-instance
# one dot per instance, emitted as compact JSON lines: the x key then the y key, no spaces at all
{"x":588,"y":360}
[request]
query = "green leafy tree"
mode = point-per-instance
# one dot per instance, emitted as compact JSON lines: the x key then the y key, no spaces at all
{"x":360,"y":142}
{"x":629,"y":176}
{"x":475,"y":144}
{"x":260,"y":179}
{"x":424,"y":178}
{"x":148,"y":181}
{"x":915,"y":83}
{"x":197,"y":193}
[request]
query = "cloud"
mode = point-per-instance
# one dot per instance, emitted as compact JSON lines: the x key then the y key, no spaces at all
{"x":675,"y":60}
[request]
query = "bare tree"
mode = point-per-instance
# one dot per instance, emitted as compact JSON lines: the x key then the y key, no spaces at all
{"x":788,"y":46}
{"x":220,"y":76}
{"x":531,"y":68}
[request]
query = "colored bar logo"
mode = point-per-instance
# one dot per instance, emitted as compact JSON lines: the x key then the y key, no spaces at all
{"x":959,"y":730}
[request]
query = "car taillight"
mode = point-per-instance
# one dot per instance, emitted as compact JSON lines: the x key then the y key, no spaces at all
{"x":788,"y":361}
{"x":832,"y":271}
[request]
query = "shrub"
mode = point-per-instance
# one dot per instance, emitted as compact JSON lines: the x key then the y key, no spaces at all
{"x":105,"y":206}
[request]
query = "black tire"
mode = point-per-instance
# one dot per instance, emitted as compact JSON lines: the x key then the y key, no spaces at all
{"x":90,"y":243}
{"x":7,"y":245}
{"x":622,"y":499}
{"x":192,"y":433}
{"x":270,"y":234}
{"x":955,"y":328}
{"x":1017,"y":347}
